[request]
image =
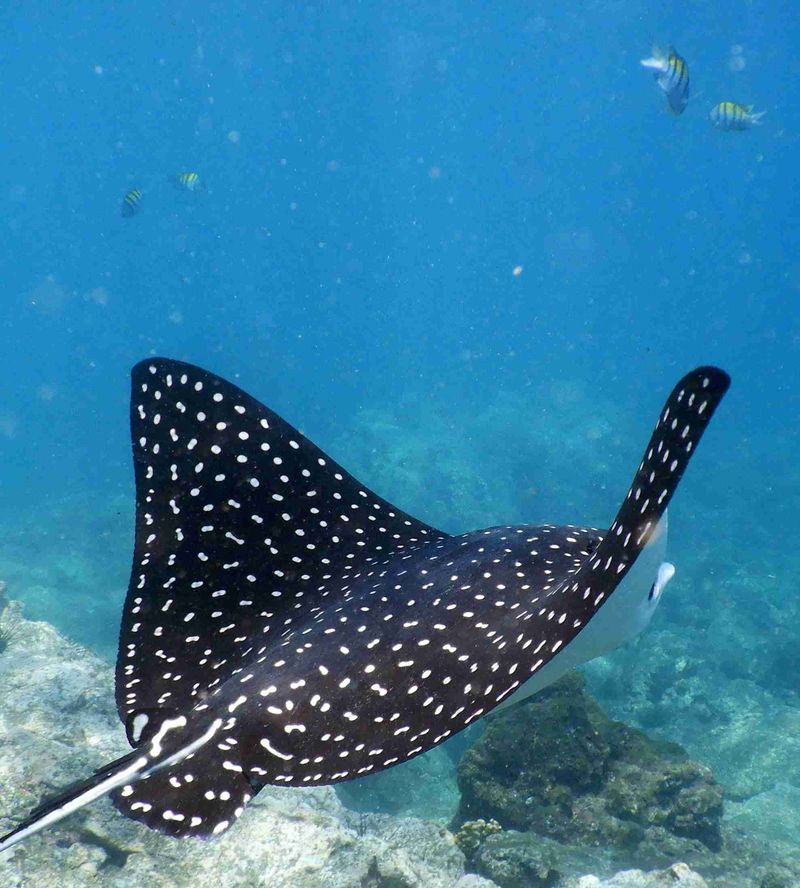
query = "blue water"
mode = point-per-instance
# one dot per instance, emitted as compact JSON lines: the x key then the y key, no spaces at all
{"x":375,"y":174}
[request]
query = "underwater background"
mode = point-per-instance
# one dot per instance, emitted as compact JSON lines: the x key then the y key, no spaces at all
{"x":467,"y":250}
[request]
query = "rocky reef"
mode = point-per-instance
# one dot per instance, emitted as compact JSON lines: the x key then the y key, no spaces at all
{"x":451,"y":468}
{"x":696,"y":677}
{"x":558,"y":766}
{"x":677,"y":876}
{"x":576,"y":792}
{"x":58,"y":723}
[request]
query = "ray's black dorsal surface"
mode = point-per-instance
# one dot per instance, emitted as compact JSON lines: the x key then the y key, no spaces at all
{"x":286,"y":625}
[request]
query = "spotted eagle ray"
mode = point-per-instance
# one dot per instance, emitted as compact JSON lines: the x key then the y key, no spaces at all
{"x":286,"y":625}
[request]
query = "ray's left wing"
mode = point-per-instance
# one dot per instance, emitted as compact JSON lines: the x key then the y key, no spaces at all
{"x":239,"y":521}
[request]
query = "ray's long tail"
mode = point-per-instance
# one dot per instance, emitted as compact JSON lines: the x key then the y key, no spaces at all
{"x":129,"y":769}
{"x":116,"y":773}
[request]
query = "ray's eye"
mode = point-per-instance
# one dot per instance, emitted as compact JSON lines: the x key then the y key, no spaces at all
{"x":652,"y":592}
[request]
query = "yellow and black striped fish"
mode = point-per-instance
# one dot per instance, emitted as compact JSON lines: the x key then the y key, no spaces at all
{"x":672,"y":76}
{"x":188,"y":181}
{"x":131,"y":203}
{"x":733,"y":116}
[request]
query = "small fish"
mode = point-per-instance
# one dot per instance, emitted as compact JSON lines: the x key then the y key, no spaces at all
{"x":188,"y":182}
{"x":672,"y":76}
{"x":286,"y":625}
{"x":730,"y":116}
{"x":131,"y":203}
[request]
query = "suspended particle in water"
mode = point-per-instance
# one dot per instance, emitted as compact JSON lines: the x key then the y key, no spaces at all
{"x":46,"y":392}
{"x":736,"y":61}
{"x":517,"y":271}
{"x":97,"y":295}
{"x":8,"y":425}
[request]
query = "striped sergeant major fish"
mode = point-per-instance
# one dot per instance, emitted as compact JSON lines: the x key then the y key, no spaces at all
{"x":188,"y":182}
{"x":730,"y":116}
{"x":286,"y":625}
{"x":672,"y":76}
{"x":131,"y":203}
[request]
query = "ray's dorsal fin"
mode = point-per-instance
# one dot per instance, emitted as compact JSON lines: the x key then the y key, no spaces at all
{"x":681,"y":424}
{"x":240,"y":520}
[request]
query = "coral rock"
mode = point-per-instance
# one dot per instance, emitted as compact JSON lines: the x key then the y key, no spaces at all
{"x":559,"y":766}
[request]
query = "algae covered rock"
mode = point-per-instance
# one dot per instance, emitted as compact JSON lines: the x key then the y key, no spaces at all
{"x":517,"y":860}
{"x":473,"y":834}
{"x":513,"y":859}
{"x":746,"y":732}
{"x":557,"y":765}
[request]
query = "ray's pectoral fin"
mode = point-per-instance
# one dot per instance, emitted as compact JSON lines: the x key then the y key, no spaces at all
{"x":239,"y":517}
{"x":681,"y":424}
{"x":201,"y":795}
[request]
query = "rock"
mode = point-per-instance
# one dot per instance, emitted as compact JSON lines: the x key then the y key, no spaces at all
{"x":773,"y":815}
{"x":514,"y":859}
{"x":509,"y":858}
{"x":58,"y":723}
{"x":472,"y":881}
{"x":559,"y":766}
{"x":473,"y":834}
{"x":517,"y":860}
{"x":677,"y":876}
{"x":538,"y":771}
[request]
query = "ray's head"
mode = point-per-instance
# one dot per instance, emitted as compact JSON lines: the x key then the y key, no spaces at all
{"x":633,"y":603}
{"x":641,"y":591}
